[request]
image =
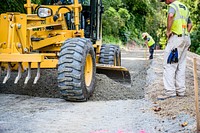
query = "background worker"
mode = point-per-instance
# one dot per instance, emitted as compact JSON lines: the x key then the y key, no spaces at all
{"x":150,"y":43}
{"x":178,"y":28}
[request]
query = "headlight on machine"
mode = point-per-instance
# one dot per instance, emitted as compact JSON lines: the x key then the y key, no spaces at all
{"x":44,"y":12}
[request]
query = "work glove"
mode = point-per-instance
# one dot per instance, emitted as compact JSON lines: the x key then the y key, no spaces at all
{"x":173,"y":56}
{"x":175,"y":59}
{"x":170,"y":57}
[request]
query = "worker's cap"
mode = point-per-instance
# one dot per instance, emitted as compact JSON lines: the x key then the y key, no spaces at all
{"x":144,"y":35}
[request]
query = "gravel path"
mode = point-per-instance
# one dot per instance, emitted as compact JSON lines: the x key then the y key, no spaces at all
{"x":113,"y":108}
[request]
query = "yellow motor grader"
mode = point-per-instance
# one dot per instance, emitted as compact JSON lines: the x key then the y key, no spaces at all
{"x":65,"y":35}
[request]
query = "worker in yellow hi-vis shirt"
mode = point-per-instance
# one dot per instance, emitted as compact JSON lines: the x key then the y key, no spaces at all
{"x":179,"y":26}
{"x":150,"y":43}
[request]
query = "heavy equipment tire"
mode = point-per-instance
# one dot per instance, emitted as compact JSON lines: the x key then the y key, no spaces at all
{"x":77,"y":69}
{"x":110,"y":54}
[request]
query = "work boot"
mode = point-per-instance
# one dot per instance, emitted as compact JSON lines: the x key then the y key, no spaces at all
{"x":150,"y":57}
{"x":163,"y":97}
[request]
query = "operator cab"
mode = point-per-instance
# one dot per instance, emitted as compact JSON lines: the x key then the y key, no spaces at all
{"x":90,"y":17}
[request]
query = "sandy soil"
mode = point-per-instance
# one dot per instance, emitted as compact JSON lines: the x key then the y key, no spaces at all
{"x":113,"y":108}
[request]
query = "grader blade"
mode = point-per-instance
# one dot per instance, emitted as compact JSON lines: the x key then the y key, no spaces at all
{"x":117,"y":73}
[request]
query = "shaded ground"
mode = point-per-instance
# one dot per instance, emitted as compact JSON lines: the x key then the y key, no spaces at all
{"x":113,"y":108}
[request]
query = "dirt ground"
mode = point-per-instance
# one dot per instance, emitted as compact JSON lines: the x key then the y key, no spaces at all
{"x":113,"y":108}
{"x":155,"y":88}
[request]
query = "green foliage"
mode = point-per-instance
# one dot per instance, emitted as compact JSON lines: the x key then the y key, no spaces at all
{"x":124,"y":14}
{"x":126,"y":20}
{"x":111,"y":22}
{"x":198,"y":50}
{"x":114,"y":24}
{"x":14,"y":5}
{"x":112,"y":3}
{"x":195,"y":36}
{"x":195,"y":39}
{"x":163,"y":42}
{"x":37,"y":1}
{"x":112,"y":40}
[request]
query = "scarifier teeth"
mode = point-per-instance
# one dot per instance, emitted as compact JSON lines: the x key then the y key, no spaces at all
{"x":19,"y":73}
{"x":8,"y":73}
{"x":38,"y":74}
{"x":29,"y":73}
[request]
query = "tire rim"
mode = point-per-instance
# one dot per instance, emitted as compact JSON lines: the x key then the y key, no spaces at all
{"x":88,"y":70}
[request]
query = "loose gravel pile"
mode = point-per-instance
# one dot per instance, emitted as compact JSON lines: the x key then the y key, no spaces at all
{"x":45,"y":87}
{"x":106,"y":89}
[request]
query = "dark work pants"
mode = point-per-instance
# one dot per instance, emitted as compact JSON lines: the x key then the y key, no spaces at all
{"x":151,"y":51}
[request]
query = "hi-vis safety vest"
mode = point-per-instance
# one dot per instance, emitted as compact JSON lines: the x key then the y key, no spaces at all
{"x":181,"y":17}
{"x":151,"y":41}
